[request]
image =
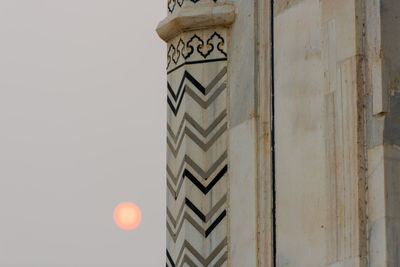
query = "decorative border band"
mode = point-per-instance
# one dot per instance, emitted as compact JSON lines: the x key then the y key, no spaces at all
{"x":211,"y":48}
{"x":196,"y":62}
{"x":172,"y":4}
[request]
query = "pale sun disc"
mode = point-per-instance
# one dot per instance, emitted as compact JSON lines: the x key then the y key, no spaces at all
{"x":127,"y":216}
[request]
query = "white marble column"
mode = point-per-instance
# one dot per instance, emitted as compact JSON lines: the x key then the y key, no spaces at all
{"x":196,"y":33}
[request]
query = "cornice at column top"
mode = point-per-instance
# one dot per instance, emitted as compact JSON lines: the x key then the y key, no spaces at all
{"x":194,"y":18}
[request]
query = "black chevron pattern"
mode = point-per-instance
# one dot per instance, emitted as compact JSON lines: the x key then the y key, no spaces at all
{"x":189,"y":162}
{"x":204,"y":189}
{"x":186,"y":216}
{"x":185,"y":87}
{"x":187,"y":119}
{"x":205,"y":261}
{"x":203,"y":231}
{"x":205,"y":146}
{"x":197,"y":129}
{"x":204,"y":217}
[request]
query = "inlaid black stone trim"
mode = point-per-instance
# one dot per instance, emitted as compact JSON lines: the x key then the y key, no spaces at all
{"x":184,"y":87}
{"x":196,"y":62}
{"x":182,"y":51}
{"x":173,"y":4}
{"x":204,"y":261}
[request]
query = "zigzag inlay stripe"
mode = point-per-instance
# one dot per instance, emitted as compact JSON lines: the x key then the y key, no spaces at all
{"x":197,"y":255}
{"x":170,"y":259}
{"x":204,"y":132}
{"x":204,"y":90}
{"x":175,"y":110}
{"x":187,"y":260}
{"x":204,"y":232}
{"x":204,"y":261}
{"x":205,"y":218}
{"x":195,"y":97}
{"x":192,"y":136}
{"x":207,"y":103}
{"x":197,"y":183}
{"x":222,"y":260}
{"x":204,"y":174}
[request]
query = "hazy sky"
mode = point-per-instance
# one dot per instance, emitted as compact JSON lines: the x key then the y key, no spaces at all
{"x":82,"y":128}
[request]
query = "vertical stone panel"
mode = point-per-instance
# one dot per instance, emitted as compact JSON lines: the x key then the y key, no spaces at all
{"x":343,"y":23}
{"x":383,"y":108}
{"x":242,"y":195}
{"x":250,"y":180}
{"x":300,"y":145}
{"x":390,"y":40}
{"x":264,"y":134}
{"x":319,"y":94}
{"x":241,"y":69}
{"x":243,"y":212}
{"x":343,"y":228}
{"x":343,"y":50}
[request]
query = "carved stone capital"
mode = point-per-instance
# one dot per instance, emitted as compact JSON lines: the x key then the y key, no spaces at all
{"x":190,"y":18}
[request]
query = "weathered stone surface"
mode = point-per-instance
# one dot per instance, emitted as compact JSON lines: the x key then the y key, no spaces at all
{"x":326,"y":177}
{"x":376,"y":207}
{"x":282,"y":5}
{"x":375,"y":125}
{"x":188,"y":19}
{"x":243,"y":228}
{"x":392,"y":182}
{"x":317,"y":126}
{"x":383,"y":118}
{"x":241,"y":69}
{"x":392,"y":121}
{"x":383,"y":204}
{"x":243,"y":123}
{"x":300,"y":187}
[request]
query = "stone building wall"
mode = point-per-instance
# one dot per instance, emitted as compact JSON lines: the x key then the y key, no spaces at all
{"x":283,"y":132}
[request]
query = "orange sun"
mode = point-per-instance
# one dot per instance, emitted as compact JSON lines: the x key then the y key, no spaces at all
{"x":127,"y":216}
